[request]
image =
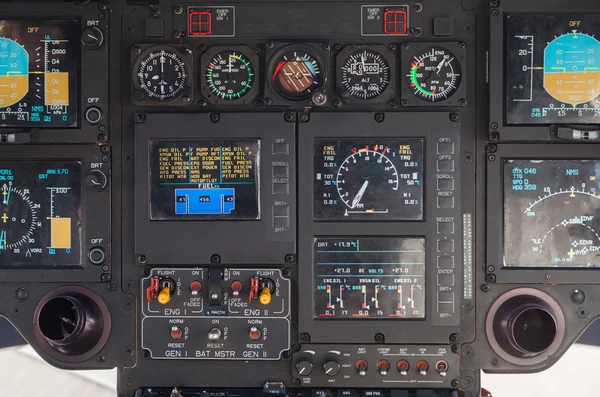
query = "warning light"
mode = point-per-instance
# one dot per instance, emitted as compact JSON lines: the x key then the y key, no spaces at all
{"x":200,"y":23}
{"x":394,"y":22}
{"x":592,"y":178}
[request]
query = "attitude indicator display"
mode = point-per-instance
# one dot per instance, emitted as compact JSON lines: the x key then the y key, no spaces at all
{"x":39,"y":68}
{"x":552,"y":69}
{"x":40,"y":221}
{"x":551,"y":213}
{"x":368,"y":179}
{"x":205,"y":179}
{"x":369,"y":277}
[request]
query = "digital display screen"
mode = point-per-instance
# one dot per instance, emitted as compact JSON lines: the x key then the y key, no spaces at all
{"x":40,"y":214}
{"x":551,"y":213}
{"x":552,"y":69}
{"x":368,"y":179}
{"x":202,"y":179}
{"x":39,"y":69}
{"x":369,"y":277}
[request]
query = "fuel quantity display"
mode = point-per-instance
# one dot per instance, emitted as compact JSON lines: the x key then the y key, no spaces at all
{"x":552,"y":213}
{"x":39,"y":67}
{"x":552,"y":69}
{"x":40,"y":214}
{"x":369,"y":277}
{"x":368,"y":179}
{"x":204,"y":179}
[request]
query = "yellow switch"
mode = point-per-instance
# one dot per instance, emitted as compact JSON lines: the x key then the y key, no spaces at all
{"x":165,"y":296}
{"x":265,"y":296}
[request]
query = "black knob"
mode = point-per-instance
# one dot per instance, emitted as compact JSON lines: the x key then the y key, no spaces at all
{"x":97,"y":256}
{"x":93,"y":115}
{"x":304,"y":367}
{"x":92,"y":38}
{"x":331,"y":368}
{"x":96,"y":180}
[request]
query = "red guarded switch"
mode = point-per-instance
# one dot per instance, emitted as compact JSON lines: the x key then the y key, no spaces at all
{"x":394,"y":22}
{"x":200,"y":23}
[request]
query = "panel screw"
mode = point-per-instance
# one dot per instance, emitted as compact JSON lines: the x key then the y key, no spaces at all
{"x":16,"y":311}
{"x":146,"y":272}
{"x":417,"y":32}
{"x":215,"y":258}
{"x":494,"y":125}
{"x":268,"y":101}
{"x":582,"y":313}
{"x":491,"y":269}
{"x":202,"y":48}
{"x":468,"y":351}
{"x":495,"y":12}
{"x":327,"y":46}
{"x":405,"y":46}
{"x":286,"y":354}
{"x":215,"y":117}
{"x":155,"y":11}
{"x":379,"y":337}
{"x":257,"y":47}
{"x":491,"y":158}
{"x":454,"y":349}
{"x":270,"y":44}
{"x":393,"y":103}
{"x":492,"y":148}
{"x":257,"y":102}
{"x":177,"y":9}
{"x":186,"y":99}
{"x":304,"y":118}
{"x":404,"y":102}
{"x":289,"y":258}
{"x":454,"y":338}
{"x":104,"y":159}
{"x":287,"y":272}
{"x":289,"y":117}
{"x":179,"y":34}
{"x":22,"y":294}
{"x":468,"y":382}
{"x":393,"y":47}
{"x":336,"y":103}
{"x":337,"y":47}
{"x":304,"y":337}
{"x":146,"y":353}
{"x":296,"y":382}
{"x":469,"y":157}
{"x":101,"y":359}
{"x":102,"y":7}
{"x":105,"y":149}
{"x":129,"y":351}
{"x":490,"y":278}
{"x":494,"y":3}
{"x":494,"y":136}
{"x":111,"y":287}
{"x":137,"y":50}
{"x":462,"y":102}
{"x":454,"y":117}
{"x":485,"y":288}
{"x":379,"y":117}
{"x":202,"y":103}
{"x":128,"y":285}
{"x":129,"y":30}
{"x":102,"y":16}
{"x":418,"y":7}
{"x":105,"y":277}
{"x":495,"y":362}
{"x":454,"y":383}
{"x":141,"y":117}
{"x":142,"y":259}
{"x":297,"y":347}
{"x":548,"y":277}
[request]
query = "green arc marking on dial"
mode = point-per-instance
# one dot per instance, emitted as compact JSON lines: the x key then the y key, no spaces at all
{"x":239,"y":93}
{"x":413,"y":79}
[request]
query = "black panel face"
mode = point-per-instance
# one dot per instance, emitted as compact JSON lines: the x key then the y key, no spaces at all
{"x":367,"y":277}
{"x":204,"y":179}
{"x":40,"y":221}
{"x":368,"y":179}
{"x":39,"y":74}
{"x":552,"y":69}
{"x":551,"y":213}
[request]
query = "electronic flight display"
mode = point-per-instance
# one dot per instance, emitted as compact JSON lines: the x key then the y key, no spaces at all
{"x":39,"y":67}
{"x":369,"y":277}
{"x":552,"y":69}
{"x":40,"y":214}
{"x":200,"y":179}
{"x":552,"y":213}
{"x":368,"y":179}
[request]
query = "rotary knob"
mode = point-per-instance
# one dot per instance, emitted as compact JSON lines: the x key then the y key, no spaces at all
{"x":96,"y":180}
{"x":304,"y":367}
{"x":331,"y":368}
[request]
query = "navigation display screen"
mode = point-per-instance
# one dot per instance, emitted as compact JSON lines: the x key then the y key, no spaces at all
{"x":205,"y":179}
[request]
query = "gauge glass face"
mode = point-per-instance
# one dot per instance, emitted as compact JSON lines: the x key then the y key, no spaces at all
{"x":162,"y":75}
{"x":229,"y":75}
{"x":435,"y":74}
{"x":296,"y":74}
{"x":551,"y":213}
{"x":365,"y":75}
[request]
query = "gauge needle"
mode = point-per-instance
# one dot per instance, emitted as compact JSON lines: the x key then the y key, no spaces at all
{"x":230,"y":64}
{"x":155,"y":77}
{"x":364,"y":66}
{"x":439,"y":66}
{"x":360,"y":193}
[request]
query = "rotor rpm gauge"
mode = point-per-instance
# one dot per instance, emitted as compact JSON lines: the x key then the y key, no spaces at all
{"x":365,"y":74}
{"x":435,"y":74}
{"x":296,"y":73}
{"x":162,"y":74}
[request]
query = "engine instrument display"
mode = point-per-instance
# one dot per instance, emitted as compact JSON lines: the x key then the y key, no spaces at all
{"x":368,"y":179}
{"x":369,"y":277}
{"x":40,"y":216}
{"x":435,"y":74}
{"x":551,"y":213}
{"x":39,"y":68}
{"x":204,"y":179}
{"x":552,"y":69}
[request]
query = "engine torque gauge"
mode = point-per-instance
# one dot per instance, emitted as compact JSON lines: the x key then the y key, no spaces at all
{"x":365,"y":74}
{"x":296,"y":73}
{"x":368,"y":179}
{"x":162,"y":75}
{"x":435,"y":74}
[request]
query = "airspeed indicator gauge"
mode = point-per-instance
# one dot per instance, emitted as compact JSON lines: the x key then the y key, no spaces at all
{"x":230,"y":75}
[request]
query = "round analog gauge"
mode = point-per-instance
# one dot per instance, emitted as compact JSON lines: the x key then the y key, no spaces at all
{"x":434,"y":75}
{"x":229,"y":75}
{"x":296,"y":74}
{"x":18,"y":217}
{"x":364,"y":177}
{"x":365,"y":75}
{"x":162,"y":74}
